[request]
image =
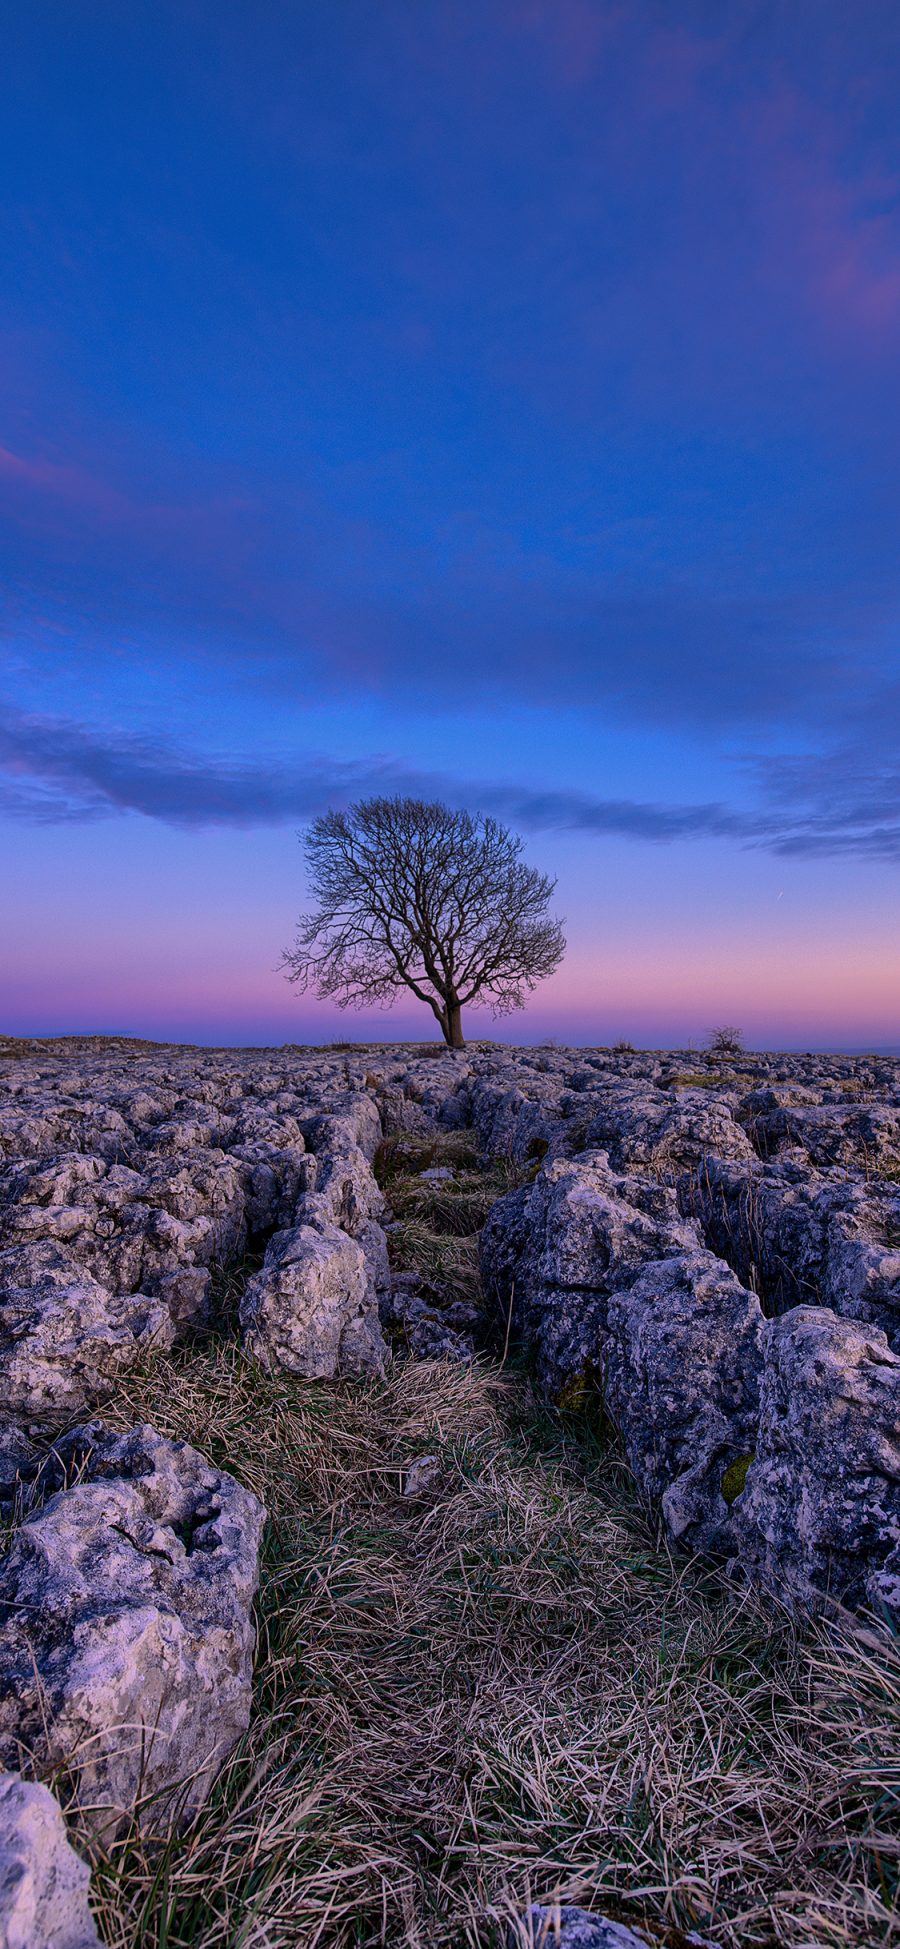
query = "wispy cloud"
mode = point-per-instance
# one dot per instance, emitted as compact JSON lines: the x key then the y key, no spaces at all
{"x":57,"y":770}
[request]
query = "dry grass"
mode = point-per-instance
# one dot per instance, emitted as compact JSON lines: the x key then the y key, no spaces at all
{"x":503,"y":1690}
{"x":436,"y":1224}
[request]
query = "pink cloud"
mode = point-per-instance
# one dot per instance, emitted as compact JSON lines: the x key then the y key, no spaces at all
{"x":835,"y":233}
{"x":62,"y":481}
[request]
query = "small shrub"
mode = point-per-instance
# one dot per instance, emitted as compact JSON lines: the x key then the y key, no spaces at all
{"x":726,"y":1042}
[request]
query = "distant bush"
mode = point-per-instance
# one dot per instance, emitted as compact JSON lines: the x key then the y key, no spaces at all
{"x":727,"y":1042}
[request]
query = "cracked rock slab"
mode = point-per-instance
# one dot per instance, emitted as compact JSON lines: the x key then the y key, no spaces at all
{"x":127,"y":1639}
{"x":818,"y":1521}
{"x":682,"y":1359}
{"x":63,"y":1336}
{"x":553,"y":1252}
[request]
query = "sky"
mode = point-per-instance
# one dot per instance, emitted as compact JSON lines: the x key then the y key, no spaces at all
{"x":497,"y":400}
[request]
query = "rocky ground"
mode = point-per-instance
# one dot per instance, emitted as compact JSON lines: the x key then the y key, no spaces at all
{"x":448,"y":1498}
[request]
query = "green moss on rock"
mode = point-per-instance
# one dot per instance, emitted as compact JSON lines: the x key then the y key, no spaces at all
{"x":735,"y":1477}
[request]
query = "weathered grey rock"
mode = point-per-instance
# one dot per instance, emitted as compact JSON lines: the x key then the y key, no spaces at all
{"x":653,"y":1130}
{"x":132,"y":1230}
{"x":351,"y":1122}
{"x":856,"y":1137}
{"x":63,"y":1337}
{"x":375,"y":1252}
{"x":43,"y":1882}
{"x":819,"y":1518}
{"x":18,"y":1459}
{"x":311,"y":1309}
{"x":127,"y":1642}
{"x":575,"y":1928}
{"x":134,"y":1172}
{"x":421,"y":1474}
{"x":552,"y":1253}
{"x":681,"y":1362}
{"x":274,"y":1177}
{"x":425,"y":1329}
{"x":345,"y":1186}
{"x":512,"y":1123}
{"x":763,"y":1221}
{"x":800,"y":1238}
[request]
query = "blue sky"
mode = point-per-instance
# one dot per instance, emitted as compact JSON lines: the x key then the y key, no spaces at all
{"x":494,"y":400}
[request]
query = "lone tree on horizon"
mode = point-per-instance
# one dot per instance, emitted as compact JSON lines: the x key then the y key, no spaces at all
{"x":415,"y":895}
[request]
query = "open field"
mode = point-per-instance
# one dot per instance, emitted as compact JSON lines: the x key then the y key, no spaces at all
{"x":493,"y":1678}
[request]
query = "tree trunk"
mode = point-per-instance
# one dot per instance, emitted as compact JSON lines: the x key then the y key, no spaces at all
{"x":452,"y":1026}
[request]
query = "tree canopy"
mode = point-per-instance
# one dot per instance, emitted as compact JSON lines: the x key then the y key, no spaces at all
{"x":416,"y":895}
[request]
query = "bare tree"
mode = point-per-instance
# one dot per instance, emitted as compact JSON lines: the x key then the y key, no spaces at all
{"x":412,"y":895}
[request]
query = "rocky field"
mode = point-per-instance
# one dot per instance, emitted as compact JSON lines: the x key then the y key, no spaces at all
{"x":448,"y":1499}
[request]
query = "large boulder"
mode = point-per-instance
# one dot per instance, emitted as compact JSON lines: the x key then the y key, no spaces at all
{"x":344,"y":1184}
{"x":553,"y":1252}
{"x":312,"y":1308}
{"x":818,"y":1521}
{"x":682,"y":1356}
{"x":64,"y":1338}
{"x":127,"y":1646}
{"x":43,"y":1882}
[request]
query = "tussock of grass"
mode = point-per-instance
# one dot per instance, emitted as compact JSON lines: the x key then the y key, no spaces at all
{"x":447,"y":1265}
{"x":403,"y":1156}
{"x":503,"y":1690}
{"x":456,"y":1206}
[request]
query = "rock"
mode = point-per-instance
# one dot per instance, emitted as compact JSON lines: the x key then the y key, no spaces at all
{"x":862,"y":1137}
{"x":682,"y":1357}
{"x":510,"y":1123}
{"x":126,"y":1650}
{"x":130,"y":1228}
{"x":375,"y":1252}
{"x":311,"y":1309}
{"x":127,"y":1173}
{"x":800,"y":1238}
{"x":420,"y":1474}
{"x":818,"y":1521}
{"x":345,"y":1188}
{"x":426,"y":1330}
{"x":653,"y":1130}
{"x":18,"y":1459}
{"x":552,"y":1253}
{"x":763,"y":1221}
{"x":43,"y":1882}
{"x":63,"y":1337}
{"x":274,"y":1177}
{"x":575,"y":1928}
